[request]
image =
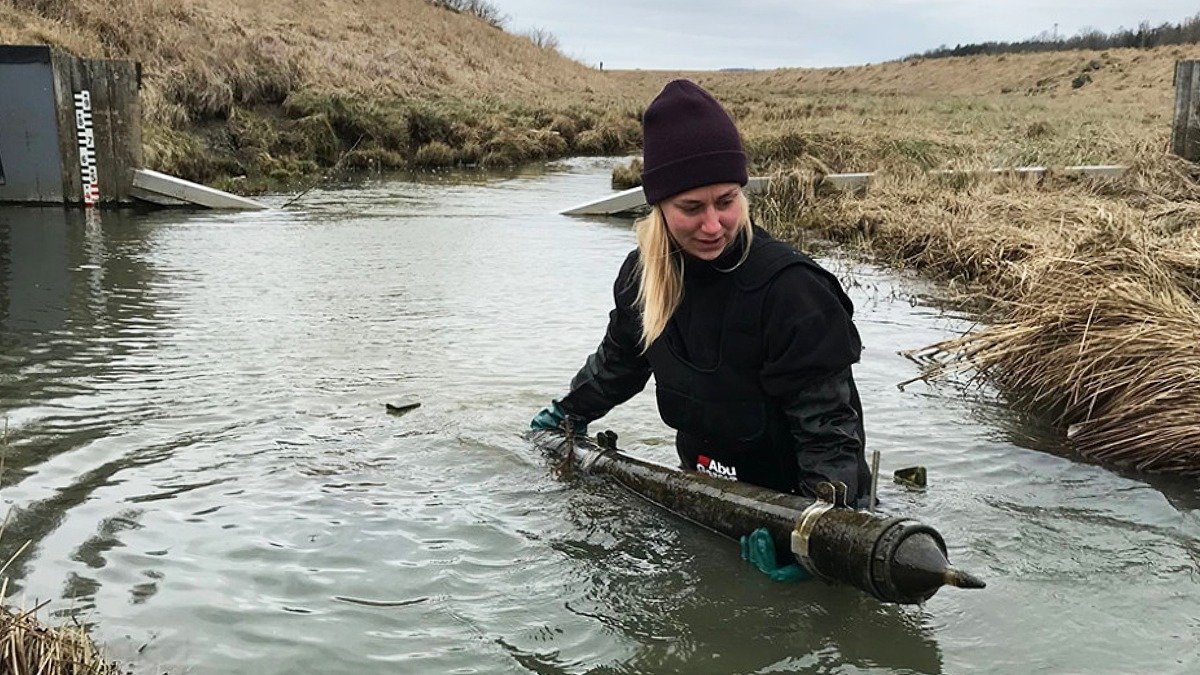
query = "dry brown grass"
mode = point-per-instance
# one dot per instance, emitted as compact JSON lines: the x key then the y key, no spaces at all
{"x":1092,"y":286}
{"x":625,"y":176}
{"x":30,"y":647}
{"x":217,"y":52}
{"x":274,"y":90}
{"x":300,"y":66}
{"x":971,"y":112}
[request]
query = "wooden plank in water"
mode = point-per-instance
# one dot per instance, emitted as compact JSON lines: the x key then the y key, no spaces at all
{"x":155,"y":198}
{"x":633,"y":199}
{"x":626,"y":200}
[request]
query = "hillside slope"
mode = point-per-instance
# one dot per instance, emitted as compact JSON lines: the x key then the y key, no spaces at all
{"x":399,"y":48}
{"x":972,"y":112}
{"x":273,"y":92}
{"x":275,"y":89}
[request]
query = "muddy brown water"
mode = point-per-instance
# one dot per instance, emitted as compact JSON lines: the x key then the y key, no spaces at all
{"x":199,"y":454}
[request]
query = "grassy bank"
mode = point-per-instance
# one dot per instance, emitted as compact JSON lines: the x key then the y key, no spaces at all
{"x":243,"y":95}
{"x":247,"y":95}
{"x":1090,"y":286}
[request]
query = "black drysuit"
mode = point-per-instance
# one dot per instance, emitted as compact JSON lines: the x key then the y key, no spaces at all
{"x":752,"y":371}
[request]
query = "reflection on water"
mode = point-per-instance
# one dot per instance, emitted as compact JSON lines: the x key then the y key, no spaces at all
{"x":76,"y":319}
{"x":633,"y":559}
{"x":200,"y":456}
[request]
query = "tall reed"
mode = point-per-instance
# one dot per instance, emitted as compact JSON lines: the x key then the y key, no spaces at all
{"x":1091,"y":287}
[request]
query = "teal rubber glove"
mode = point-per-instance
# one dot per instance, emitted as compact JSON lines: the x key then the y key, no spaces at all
{"x":759,"y":549}
{"x":554,"y":417}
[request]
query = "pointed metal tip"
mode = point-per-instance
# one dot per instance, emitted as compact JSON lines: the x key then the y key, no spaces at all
{"x":961,"y":579}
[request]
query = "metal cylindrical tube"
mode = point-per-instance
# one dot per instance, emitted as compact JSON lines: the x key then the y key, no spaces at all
{"x":893,"y":559}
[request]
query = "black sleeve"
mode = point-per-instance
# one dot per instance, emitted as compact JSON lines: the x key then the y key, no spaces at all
{"x":810,"y":344}
{"x":808,"y":330}
{"x":825,"y":420}
{"x":618,"y":369}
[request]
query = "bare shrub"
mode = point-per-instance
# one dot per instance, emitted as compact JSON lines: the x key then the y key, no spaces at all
{"x":543,"y":39}
{"x":480,"y":9}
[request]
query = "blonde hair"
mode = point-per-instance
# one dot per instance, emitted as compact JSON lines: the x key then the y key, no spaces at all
{"x":660,"y":286}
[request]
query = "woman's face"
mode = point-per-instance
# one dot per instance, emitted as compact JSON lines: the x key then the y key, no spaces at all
{"x":704,"y":220}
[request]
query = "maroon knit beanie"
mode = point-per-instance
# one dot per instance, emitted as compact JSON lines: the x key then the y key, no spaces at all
{"x":690,"y":141}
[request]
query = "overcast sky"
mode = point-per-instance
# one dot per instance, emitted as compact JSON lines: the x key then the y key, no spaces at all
{"x":703,"y":34}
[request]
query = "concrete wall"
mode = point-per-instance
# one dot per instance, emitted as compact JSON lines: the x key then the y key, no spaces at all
{"x":70,"y":128}
{"x":29,"y":136}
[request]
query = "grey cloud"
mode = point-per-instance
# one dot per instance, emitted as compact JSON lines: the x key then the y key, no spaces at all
{"x":703,"y":34}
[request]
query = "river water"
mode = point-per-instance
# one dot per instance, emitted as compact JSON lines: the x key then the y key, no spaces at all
{"x":198,"y":452}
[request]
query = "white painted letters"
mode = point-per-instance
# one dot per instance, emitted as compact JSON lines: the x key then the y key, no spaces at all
{"x":86,"y":137}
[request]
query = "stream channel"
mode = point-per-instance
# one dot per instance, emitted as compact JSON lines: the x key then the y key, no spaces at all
{"x":198,"y":453}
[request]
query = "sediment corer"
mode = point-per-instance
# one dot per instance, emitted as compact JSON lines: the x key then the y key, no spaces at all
{"x":893,"y":559}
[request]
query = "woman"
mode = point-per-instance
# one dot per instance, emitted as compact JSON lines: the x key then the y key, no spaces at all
{"x":750,"y":342}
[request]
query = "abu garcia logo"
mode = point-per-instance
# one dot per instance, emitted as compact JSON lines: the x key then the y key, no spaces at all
{"x":715,"y":469}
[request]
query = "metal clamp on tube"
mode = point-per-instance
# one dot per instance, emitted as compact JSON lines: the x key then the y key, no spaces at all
{"x":827,"y":498}
{"x":894,"y":559}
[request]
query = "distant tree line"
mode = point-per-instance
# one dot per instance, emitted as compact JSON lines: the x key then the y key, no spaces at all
{"x":1144,"y":37}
